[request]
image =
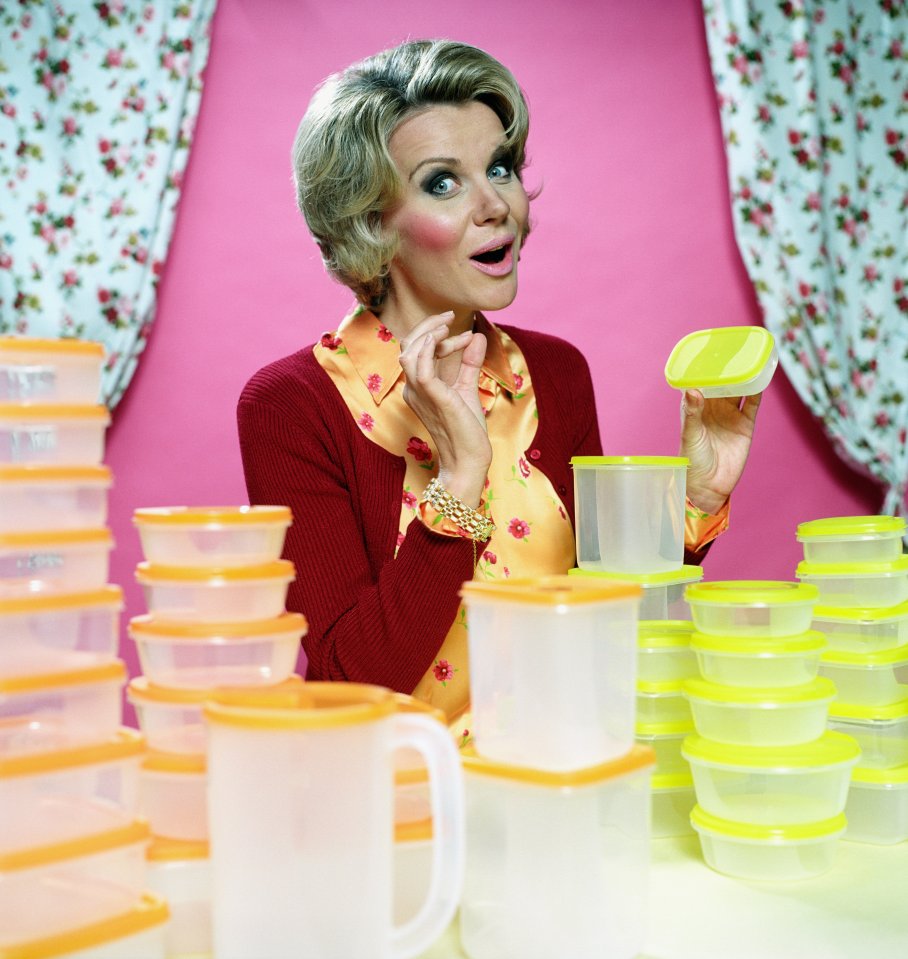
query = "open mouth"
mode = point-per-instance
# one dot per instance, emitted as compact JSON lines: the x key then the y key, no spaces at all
{"x":493,"y":256}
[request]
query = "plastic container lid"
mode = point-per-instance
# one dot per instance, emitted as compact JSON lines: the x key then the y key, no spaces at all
{"x":147,"y":627}
{"x":869,"y":776}
{"x":55,"y":537}
{"x":665,"y":782}
{"x":125,"y":744}
{"x":54,"y":411}
{"x":418,"y":830}
{"x":28,"y":344}
{"x":668,"y":687}
{"x":647,"y":461}
{"x":42,"y":473}
{"x":157,"y":761}
{"x":857,"y":614}
{"x":751,"y":593}
{"x":850,"y":527}
{"x":141,"y":691}
{"x":549,"y":590}
{"x":211,"y":516}
{"x":684,"y":574}
{"x":33,"y":856}
{"x":57,"y":602}
{"x":870,"y":714}
{"x":148,"y":573}
{"x":723,"y":356}
{"x":105,"y":672}
{"x":870,"y":660}
{"x":808,"y":642}
{"x":893,"y":568}
{"x":656,"y":730}
{"x":664,"y":633}
{"x":830,"y":749}
{"x":161,"y":849}
{"x":816,"y":690}
{"x":755,"y":832}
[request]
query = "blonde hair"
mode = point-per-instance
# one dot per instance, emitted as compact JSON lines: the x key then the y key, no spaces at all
{"x":344,"y":175}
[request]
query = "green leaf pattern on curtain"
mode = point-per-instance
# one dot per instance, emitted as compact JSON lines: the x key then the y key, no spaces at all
{"x":97,"y":107}
{"x":813,"y":98}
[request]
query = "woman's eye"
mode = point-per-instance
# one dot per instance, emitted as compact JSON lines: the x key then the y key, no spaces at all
{"x":500,"y":171}
{"x":442,"y":185}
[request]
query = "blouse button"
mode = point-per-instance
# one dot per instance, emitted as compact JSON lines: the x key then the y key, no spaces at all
{"x":535,"y":454}
{"x":562,"y":490}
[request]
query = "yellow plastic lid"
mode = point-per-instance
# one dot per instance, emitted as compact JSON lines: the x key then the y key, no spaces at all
{"x":410,"y":704}
{"x":56,"y":537}
{"x":420,"y":830}
{"x":891,"y":712}
{"x":105,"y":672}
{"x":814,"y":691}
{"x":54,"y":411}
{"x":211,"y":515}
{"x":745,"y":592}
{"x":147,"y":627}
{"x":125,"y":744}
{"x":851,"y":527}
{"x":893,"y":778}
{"x":161,"y":849}
{"x":672,"y":461}
{"x":43,"y":473}
{"x":684,"y":574}
{"x":141,"y":691}
{"x":549,"y":590}
{"x":665,"y":782}
{"x":148,"y":573}
{"x":57,"y":602}
{"x":668,"y":687}
{"x":809,"y":642}
{"x":857,"y":614}
{"x":639,"y":757}
{"x":722,"y":356}
{"x":873,"y":659}
{"x":29,"y":344}
{"x":830,"y":749}
{"x":33,"y":856}
{"x":663,"y":730}
{"x":149,"y":912}
{"x":664,"y":633}
{"x":158,"y":761}
{"x":756,"y":832}
{"x":896,"y":567}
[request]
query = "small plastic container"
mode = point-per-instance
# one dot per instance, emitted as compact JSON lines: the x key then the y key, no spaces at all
{"x":216,"y":594}
{"x":881,"y":731}
{"x":552,"y":668}
{"x":630,"y":512}
{"x":852,"y":539}
{"x":39,"y":498}
{"x":877,"y":807}
{"x":868,"y":679}
{"x":673,"y":800}
{"x":412,"y":867}
{"x":64,"y":560}
{"x":663,"y":593}
{"x":51,"y":632}
{"x":663,"y":651}
{"x":556,"y":854}
{"x":180,"y":872}
{"x":764,"y":608}
{"x":202,"y":536}
{"x":662,"y":703}
{"x":772,"y":785}
{"x":70,"y":794}
{"x":665,"y":740}
{"x":773,"y":853}
{"x":752,"y":661}
{"x":858,"y":584}
{"x":49,"y":371}
{"x":53,"y":711}
{"x":857,"y":630}
{"x":724,"y":361}
{"x":53,"y":435}
{"x":754,"y":716}
{"x":173,"y":795}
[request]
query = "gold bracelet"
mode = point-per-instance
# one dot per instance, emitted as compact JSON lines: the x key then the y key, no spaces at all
{"x":476,"y":526}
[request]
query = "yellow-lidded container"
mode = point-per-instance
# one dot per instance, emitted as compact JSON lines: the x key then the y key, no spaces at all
{"x":868,"y":679}
{"x":663,"y":593}
{"x":881,"y":731}
{"x":758,"y":661}
{"x":861,"y":630}
{"x":37,"y":497}
{"x":180,"y":872}
{"x":877,"y":808}
{"x":49,"y":371}
{"x":172,"y":795}
{"x":68,"y":560}
{"x":664,"y":654}
{"x":858,"y":584}
{"x":765,"y":608}
{"x":852,"y":539}
{"x":673,"y":800}
{"x":52,"y":433}
{"x":723,"y":361}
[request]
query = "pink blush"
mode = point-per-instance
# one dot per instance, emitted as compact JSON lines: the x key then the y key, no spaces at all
{"x":428,"y":232}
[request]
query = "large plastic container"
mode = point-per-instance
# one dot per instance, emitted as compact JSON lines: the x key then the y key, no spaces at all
{"x":877,"y":807}
{"x":557,"y":863}
{"x":172,"y":789}
{"x":723,"y":361}
{"x":37,"y":498}
{"x":664,"y":654}
{"x":852,"y":539}
{"x":858,"y":630}
{"x":67,"y":560}
{"x":763,"y":608}
{"x":630,"y":512}
{"x":858,"y":584}
{"x":412,"y":867}
{"x":180,"y":872}
{"x":55,"y":435}
{"x":553,"y":662}
{"x":663,"y":593}
{"x":881,"y":731}
{"x":49,"y":371}
{"x":753,"y":661}
{"x":869,"y":679}
{"x":673,"y":799}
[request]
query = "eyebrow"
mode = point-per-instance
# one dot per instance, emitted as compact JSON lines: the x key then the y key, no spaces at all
{"x":446,"y":161}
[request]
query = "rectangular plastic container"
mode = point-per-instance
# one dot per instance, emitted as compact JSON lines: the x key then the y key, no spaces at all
{"x":852,"y":539}
{"x":54,"y":435}
{"x":63,"y":560}
{"x":723,"y":361}
{"x":662,"y":703}
{"x":673,"y":799}
{"x":663,"y":651}
{"x":662,"y":598}
{"x":630,"y":512}
{"x":881,"y":731}
{"x":556,"y":855}
{"x":180,"y":872}
{"x":868,"y":679}
{"x":751,"y":608}
{"x":857,"y":630}
{"x":37,"y":370}
{"x":665,"y":740}
{"x":37,"y":498}
{"x":870,"y":585}
{"x":877,"y":807}
{"x":172,"y":790}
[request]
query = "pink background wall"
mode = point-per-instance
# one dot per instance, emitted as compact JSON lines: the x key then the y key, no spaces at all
{"x":632,"y":249}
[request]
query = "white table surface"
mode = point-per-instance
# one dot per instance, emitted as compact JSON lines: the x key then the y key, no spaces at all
{"x":856,"y":910}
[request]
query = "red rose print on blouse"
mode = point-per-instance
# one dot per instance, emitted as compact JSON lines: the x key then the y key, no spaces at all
{"x":443,"y":671}
{"x":519,"y":528}
{"x":419,"y":449}
{"x":524,"y":467}
{"x":408,"y":499}
{"x":384,"y":334}
{"x":330,"y":341}
{"x":373,"y":382}
{"x":365,"y":422}
{"x":518,"y":381}
{"x":490,"y":557}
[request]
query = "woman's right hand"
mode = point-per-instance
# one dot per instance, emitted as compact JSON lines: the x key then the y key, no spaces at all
{"x":442,"y":389}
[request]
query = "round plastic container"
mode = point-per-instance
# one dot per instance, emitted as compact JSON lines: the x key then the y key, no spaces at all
{"x":49,"y":371}
{"x":52,"y":434}
{"x":180,"y":872}
{"x":753,"y":716}
{"x":665,"y":740}
{"x":662,"y":703}
{"x":724,"y":361}
{"x":663,"y":593}
{"x":752,"y":661}
{"x":863,"y":630}
{"x":663,"y":651}
{"x":772,"y":785}
{"x":212,"y":535}
{"x":881,"y":731}
{"x":193,"y":655}
{"x":39,"y":498}
{"x":67,"y":560}
{"x":764,"y":608}
{"x":173,"y":795}
{"x":868,"y":679}
{"x":673,"y":799}
{"x":877,"y":807}
{"x":852,"y":539}
{"x":768,"y":852}
{"x":216,"y":594}
{"x":630,"y":512}
{"x":858,"y":584}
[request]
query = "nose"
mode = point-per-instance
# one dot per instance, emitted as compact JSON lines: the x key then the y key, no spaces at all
{"x":491,"y":206}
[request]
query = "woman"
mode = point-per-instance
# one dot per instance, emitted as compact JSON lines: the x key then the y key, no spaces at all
{"x":418,"y":444}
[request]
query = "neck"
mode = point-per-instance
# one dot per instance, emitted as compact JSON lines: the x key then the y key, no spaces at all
{"x":401,"y":319}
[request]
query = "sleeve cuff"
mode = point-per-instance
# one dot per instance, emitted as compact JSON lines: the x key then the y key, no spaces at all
{"x":701,"y":528}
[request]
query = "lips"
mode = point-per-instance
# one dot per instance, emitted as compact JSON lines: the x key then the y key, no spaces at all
{"x":495,"y":258}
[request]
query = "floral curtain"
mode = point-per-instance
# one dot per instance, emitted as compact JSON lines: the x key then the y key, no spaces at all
{"x":813,"y":97}
{"x":97,"y":107}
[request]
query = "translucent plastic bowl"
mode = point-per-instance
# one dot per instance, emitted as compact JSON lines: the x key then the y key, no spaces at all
{"x":49,"y":371}
{"x":180,"y":872}
{"x":774,"y":785}
{"x":751,"y":661}
{"x":659,"y":703}
{"x":768,"y":852}
{"x":64,"y":560}
{"x":852,"y":539}
{"x":877,"y":808}
{"x":663,"y":651}
{"x":52,"y":434}
{"x":858,"y":630}
{"x":665,"y":740}
{"x":858,"y":584}
{"x":673,"y":799}
{"x":216,"y":595}
{"x":630,"y":512}
{"x":753,"y":716}
{"x":663,"y":593}
{"x":38,"y":498}
{"x":764,"y":608}
{"x":173,"y":796}
{"x":868,"y":679}
{"x":194,"y":655}
{"x":880,"y":731}
{"x":724,"y":361}
{"x":49,"y":632}
{"x":225,"y":536}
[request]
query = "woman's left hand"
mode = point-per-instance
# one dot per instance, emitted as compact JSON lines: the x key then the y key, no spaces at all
{"x":715,"y":437}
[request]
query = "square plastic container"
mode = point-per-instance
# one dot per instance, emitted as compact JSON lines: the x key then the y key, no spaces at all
{"x":193,"y":655}
{"x":673,"y":799}
{"x":663,"y":593}
{"x":772,"y":785}
{"x":665,"y":740}
{"x":49,"y":371}
{"x":662,"y":703}
{"x":858,"y":584}
{"x":663,"y":651}
{"x":550,"y":855}
{"x":52,"y":632}
{"x":239,"y":594}
{"x":180,"y":872}
{"x":724,"y":361}
{"x":553,"y":662}
{"x":173,"y":795}
{"x":877,"y":807}
{"x":756,"y":608}
{"x":70,"y":794}
{"x":754,"y":716}
{"x":868,"y":679}
{"x":857,"y":630}
{"x":39,"y":498}
{"x":630,"y":512}
{"x":768,"y":852}
{"x":751,"y":661}
{"x":53,"y":435}
{"x":880,"y":731}
{"x":852,"y":539}
{"x":64,"y":560}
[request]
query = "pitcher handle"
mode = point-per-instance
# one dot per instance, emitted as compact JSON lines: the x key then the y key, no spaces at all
{"x":433,"y":741}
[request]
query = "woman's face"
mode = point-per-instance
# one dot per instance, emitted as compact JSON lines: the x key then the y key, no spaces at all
{"x":460,"y":217}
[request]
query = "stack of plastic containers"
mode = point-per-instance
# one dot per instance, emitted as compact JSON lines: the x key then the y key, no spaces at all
{"x":630,"y":527}
{"x":858,"y":566}
{"x":770,"y":780}
{"x":216,"y":593}
{"x":72,"y":845}
{"x":558,"y":793}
